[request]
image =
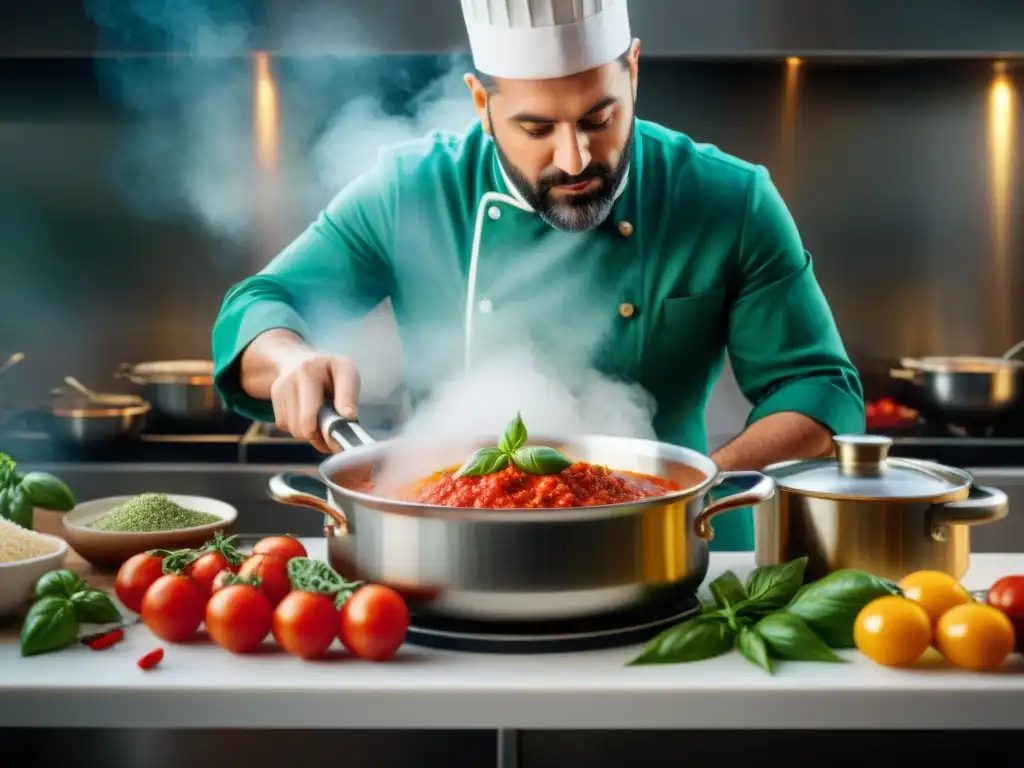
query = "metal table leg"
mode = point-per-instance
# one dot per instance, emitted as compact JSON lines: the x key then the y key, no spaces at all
{"x":508,"y":748}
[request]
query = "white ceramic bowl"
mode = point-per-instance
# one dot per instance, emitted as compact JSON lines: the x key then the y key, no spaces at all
{"x":18,"y":579}
{"x":110,"y":549}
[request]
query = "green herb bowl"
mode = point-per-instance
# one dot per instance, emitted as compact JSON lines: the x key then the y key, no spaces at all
{"x":109,"y":549}
{"x":18,"y":579}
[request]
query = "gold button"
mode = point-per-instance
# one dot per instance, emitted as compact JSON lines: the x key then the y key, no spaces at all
{"x":625,"y":228}
{"x":626,"y":309}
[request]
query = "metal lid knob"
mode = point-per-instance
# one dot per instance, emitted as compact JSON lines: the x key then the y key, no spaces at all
{"x":861,"y":454}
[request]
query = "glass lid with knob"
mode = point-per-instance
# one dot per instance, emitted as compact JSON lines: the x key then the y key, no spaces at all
{"x":862,"y":469}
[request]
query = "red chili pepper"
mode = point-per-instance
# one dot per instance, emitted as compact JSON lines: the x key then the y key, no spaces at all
{"x":107,"y":640}
{"x":151,"y":659}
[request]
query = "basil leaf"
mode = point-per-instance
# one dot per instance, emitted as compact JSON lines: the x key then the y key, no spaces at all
{"x":20,"y":508}
{"x":94,"y":607}
{"x":789,"y":637}
{"x":49,"y":626}
{"x":695,"y":640}
{"x":5,"y":503}
{"x":754,"y":648}
{"x":830,"y":605}
{"x":540,"y":460}
{"x":486,"y":461}
{"x":514,"y":436}
{"x":47,"y":492}
{"x":727,"y":590}
{"x":773,"y":586}
{"x":59,"y":583}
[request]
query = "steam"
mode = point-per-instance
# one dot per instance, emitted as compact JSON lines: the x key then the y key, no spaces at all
{"x":190,"y":153}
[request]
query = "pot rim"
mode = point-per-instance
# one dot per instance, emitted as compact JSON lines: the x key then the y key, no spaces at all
{"x":190,"y":372}
{"x":965,"y":478}
{"x":655,"y":449}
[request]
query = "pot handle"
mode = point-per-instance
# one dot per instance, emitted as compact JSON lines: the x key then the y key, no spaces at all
{"x":985,"y":504}
{"x":758,"y":487}
{"x":282,"y":488}
{"x":124,"y":371}
{"x":903,"y":374}
{"x":348,"y":434}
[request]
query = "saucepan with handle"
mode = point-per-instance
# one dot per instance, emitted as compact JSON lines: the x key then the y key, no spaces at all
{"x":866,"y":510}
{"x":964,"y":390}
{"x":516,"y":564}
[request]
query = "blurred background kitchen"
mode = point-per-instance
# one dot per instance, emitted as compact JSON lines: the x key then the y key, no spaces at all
{"x":152,"y":154}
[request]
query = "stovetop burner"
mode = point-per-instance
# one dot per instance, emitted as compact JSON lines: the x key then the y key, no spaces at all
{"x":587,"y":634}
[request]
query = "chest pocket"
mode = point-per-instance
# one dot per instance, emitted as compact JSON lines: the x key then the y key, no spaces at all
{"x":685,"y":345}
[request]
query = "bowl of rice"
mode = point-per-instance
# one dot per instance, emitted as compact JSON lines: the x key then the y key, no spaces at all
{"x":108,"y":531}
{"x":24,"y":557}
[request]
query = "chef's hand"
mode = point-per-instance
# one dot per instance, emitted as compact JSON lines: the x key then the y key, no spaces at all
{"x":305,"y":384}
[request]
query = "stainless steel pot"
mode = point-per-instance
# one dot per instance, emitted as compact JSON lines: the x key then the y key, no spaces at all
{"x":181,"y":391}
{"x":967,"y":390}
{"x":865,"y":510}
{"x":494,"y":564}
{"x":88,"y":424}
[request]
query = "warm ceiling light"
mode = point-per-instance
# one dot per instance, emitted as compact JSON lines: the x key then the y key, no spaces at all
{"x":793,"y":61}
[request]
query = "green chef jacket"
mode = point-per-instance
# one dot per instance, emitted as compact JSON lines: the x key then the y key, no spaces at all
{"x":699,"y":257}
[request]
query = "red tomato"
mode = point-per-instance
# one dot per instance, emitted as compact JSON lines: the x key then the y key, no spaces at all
{"x":135,"y":576}
{"x":1007,"y":595}
{"x":238,"y":617}
{"x":871,"y":410}
{"x":273,"y":575}
{"x":173,"y":607}
{"x":219,"y":581}
{"x":373,"y":622}
{"x":886,"y":407}
{"x":305,"y":624}
{"x":285,"y":547}
{"x":205,"y":569}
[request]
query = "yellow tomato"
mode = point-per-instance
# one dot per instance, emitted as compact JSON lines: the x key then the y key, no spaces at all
{"x":974,"y":636}
{"x":934,"y":591}
{"x":893,"y":631}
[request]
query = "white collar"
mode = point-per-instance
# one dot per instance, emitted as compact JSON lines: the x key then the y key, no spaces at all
{"x":514,"y":192}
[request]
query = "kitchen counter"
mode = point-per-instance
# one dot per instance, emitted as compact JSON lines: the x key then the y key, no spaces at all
{"x":200,"y":685}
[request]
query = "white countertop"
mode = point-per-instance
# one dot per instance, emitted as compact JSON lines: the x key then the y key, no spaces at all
{"x":204,"y":686}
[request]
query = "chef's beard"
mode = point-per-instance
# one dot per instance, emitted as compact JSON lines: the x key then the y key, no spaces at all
{"x":578,"y":213}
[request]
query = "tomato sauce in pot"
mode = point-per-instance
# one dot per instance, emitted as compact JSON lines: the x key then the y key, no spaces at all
{"x":580,"y":485}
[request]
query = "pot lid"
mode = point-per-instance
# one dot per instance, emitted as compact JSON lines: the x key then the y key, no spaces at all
{"x":862,"y":469}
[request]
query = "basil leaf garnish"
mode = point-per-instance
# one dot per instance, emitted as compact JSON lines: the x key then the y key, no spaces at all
{"x":831,"y":604}
{"x":59,"y":583}
{"x":486,"y":461}
{"x":540,"y":460}
{"x":514,"y":436}
{"x":771,"y":587}
{"x":728,"y":590}
{"x":754,"y":648}
{"x":695,"y":640}
{"x":94,"y":607}
{"x":49,"y":626}
{"x":789,"y":637}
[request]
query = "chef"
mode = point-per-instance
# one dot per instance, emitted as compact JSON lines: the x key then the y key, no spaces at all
{"x":558,"y":210}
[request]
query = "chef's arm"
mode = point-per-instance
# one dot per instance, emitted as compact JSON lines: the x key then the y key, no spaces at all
{"x":785,"y":348}
{"x":336,"y":271}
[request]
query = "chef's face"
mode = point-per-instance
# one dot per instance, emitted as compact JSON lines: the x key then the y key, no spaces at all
{"x":564,"y":143}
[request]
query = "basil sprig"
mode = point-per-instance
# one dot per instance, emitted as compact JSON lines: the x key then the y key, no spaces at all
{"x":20,"y":495}
{"x":63,"y":601}
{"x":772,"y":616}
{"x":512,"y":448}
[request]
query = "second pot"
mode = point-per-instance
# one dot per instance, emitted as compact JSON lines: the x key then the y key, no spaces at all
{"x":864,"y":510}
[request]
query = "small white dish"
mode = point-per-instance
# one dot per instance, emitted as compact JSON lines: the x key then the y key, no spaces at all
{"x":18,"y":579}
{"x":109,"y":549}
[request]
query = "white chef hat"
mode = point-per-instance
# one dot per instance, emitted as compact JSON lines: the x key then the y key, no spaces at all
{"x":539,"y":39}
